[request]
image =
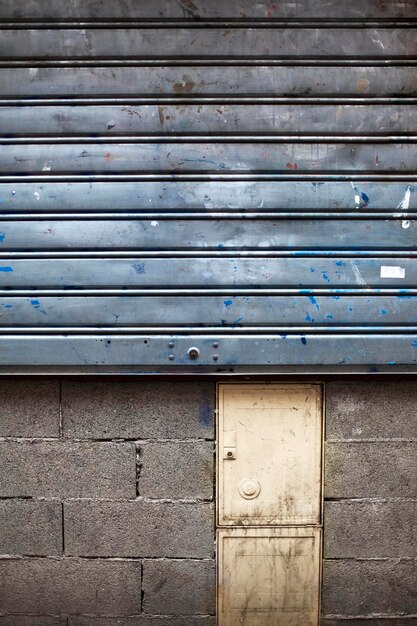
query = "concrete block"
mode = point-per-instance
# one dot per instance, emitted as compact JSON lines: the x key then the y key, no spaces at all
{"x":32,"y":620}
{"x":30,"y":527}
{"x":67,"y":469}
{"x":139,"y":529}
{"x":371,"y":410}
{"x":370,"y":470}
{"x":142,"y":410}
{"x":177,"y":470}
{"x":179,"y":587}
{"x":29,"y":408}
{"x":369,"y":588}
{"x":59,"y":586}
{"x":354,"y":529}
{"x":394,"y":621}
{"x":144,"y":620}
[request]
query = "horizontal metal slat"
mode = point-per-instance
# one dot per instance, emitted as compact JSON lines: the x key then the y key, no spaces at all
{"x":201,"y":61}
{"x":46,"y":196}
{"x":246,"y":311}
{"x":335,"y":350}
{"x":211,"y":80}
{"x":208,"y":157}
{"x":201,"y":234}
{"x":157,"y":42}
{"x":243,"y":9}
{"x":208,"y":272}
{"x":215,"y":118}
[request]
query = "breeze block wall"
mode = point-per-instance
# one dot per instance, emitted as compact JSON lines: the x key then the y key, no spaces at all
{"x":370,"y":514}
{"x":107,"y":503}
{"x":107,"y":510}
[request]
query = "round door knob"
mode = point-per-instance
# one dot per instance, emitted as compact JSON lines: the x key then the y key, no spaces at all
{"x":249,"y":488}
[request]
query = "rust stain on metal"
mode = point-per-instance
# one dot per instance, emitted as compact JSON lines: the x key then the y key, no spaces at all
{"x":362,"y":85}
{"x":185,"y":86}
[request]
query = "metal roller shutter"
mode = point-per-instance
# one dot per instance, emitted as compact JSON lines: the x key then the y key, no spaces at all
{"x":208,"y":187}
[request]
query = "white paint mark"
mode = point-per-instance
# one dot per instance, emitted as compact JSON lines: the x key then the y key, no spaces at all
{"x":37,"y":195}
{"x":404,"y":205}
{"x":379,"y":42}
{"x":356,"y":431}
{"x":358,"y":276}
{"x":392,"y":271}
{"x":154,"y":223}
{"x":46,"y":167}
{"x":357,"y":198}
{"x":33,"y":71}
{"x":405,"y":223}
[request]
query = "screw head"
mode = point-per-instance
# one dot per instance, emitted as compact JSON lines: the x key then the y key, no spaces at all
{"x":215,"y":357}
{"x":171,"y":344}
{"x":171,"y":357}
{"x":215,"y":344}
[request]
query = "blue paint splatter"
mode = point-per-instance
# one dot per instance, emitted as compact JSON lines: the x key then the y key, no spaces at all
{"x":6,"y":268}
{"x":325,"y":277}
{"x":139,"y":268}
{"x":239,"y":319}
{"x":228,"y":303}
{"x":329,"y":316}
{"x":414,"y":343}
{"x":392,"y":363}
{"x":308,"y":318}
{"x":364,"y":199}
{"x":8,"y":306}
{"x":314,"y":301}
{"x":2,"y":236}
{"x":340,"y":263}
{"x":36,"y":304}
{"x":303,"y":340}
{"x":384,"y":311}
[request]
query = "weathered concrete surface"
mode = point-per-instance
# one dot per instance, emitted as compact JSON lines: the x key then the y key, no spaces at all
{"x":138,"y":410}
{"x":370,"y":529}
{"x":371,"y":410}
{"x":143,"y":620}
{"x":30,"y":527}
{"x":369,"y":587}
{"x":394,"y":621}
{"x":33,"y":620}
{"x":29,"y":408}
{"x":52,"y":586}
{"x":370,"y":470}
{"x":179,"y":587}
{"x":177,"y":470}
{"x":68,"y":469}
{"x":139,"y":529}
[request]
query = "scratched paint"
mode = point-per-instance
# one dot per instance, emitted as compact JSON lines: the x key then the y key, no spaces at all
{"x":269,"y":202}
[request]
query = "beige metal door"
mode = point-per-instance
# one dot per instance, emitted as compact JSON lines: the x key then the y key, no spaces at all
{"x":269,"y":461}
{"x":269,"y":503}
{"x":269,"y":576}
